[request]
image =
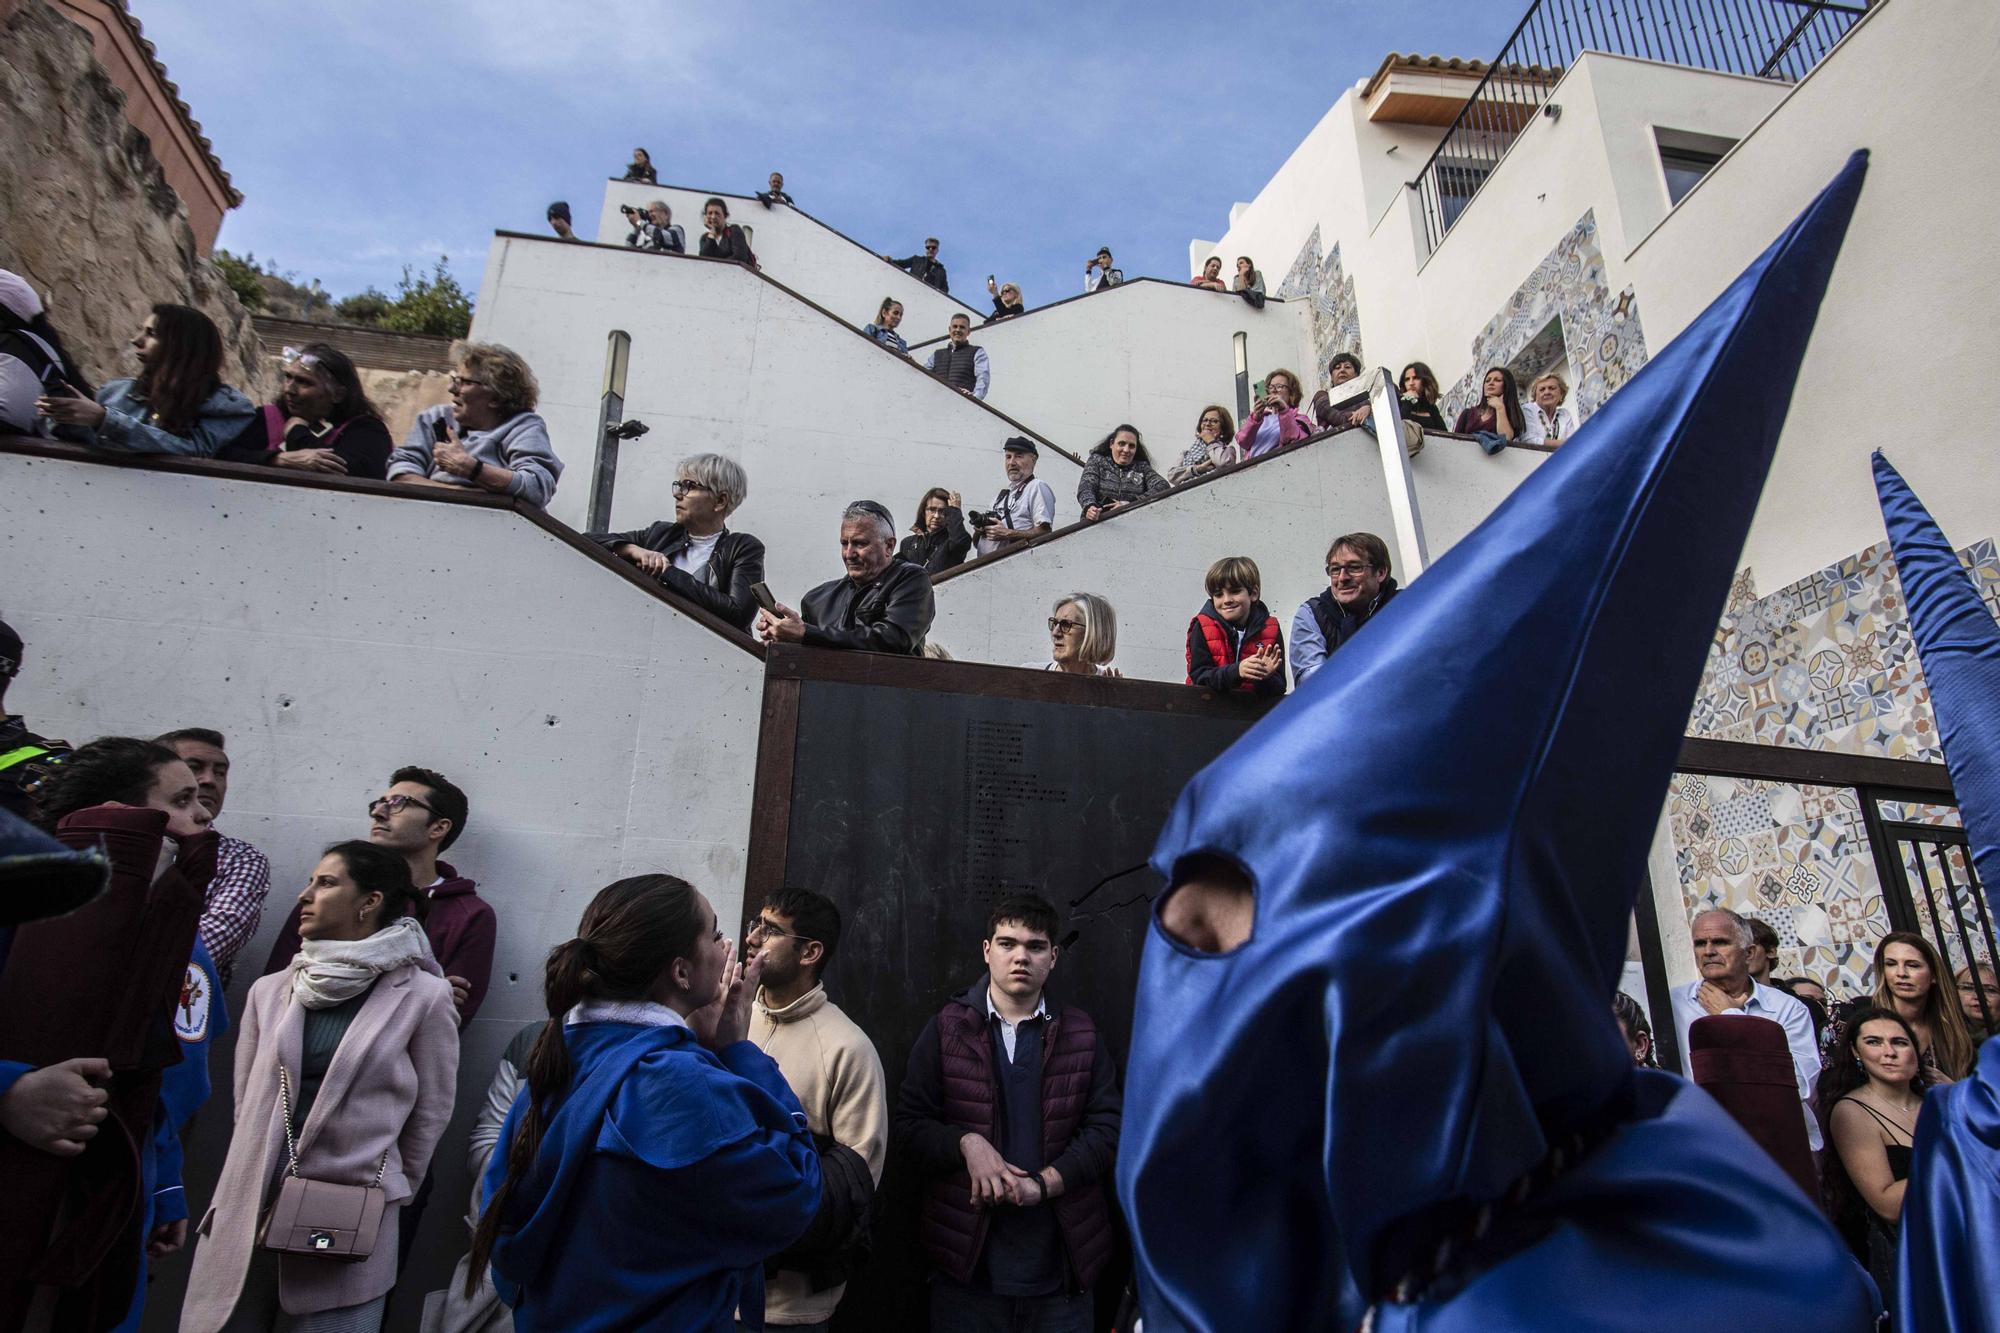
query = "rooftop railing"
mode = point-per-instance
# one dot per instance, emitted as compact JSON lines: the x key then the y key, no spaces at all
{"x":1781,"y":40}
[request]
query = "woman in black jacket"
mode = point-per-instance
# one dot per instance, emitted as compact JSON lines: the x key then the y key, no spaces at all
{"x":938,"y":540}
{"x":722,"y":238}
{"x":696,"y":556}
{"x":322,"y":421}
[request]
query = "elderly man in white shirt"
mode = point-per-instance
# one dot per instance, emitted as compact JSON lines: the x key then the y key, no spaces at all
{"x":1722,"y":942}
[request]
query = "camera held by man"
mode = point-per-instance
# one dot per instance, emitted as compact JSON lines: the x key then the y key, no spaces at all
{"x":654,"y":229}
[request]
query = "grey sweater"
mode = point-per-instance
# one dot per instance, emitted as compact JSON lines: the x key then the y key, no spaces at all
{"x":520,"y":444}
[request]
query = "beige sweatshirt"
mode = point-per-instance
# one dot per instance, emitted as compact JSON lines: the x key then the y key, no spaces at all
{"x":837,"y":1077}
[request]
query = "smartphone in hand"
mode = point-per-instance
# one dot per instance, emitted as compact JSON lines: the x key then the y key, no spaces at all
{"x":762,"y":592}
{"x":440,"y":431}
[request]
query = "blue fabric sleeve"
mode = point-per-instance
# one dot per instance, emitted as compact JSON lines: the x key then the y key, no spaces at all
{"x":10,"y":1072}
{"x":123,"y":430}
{"x":169,"y":1199}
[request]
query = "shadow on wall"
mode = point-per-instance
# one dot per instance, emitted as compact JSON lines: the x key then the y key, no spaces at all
{"x":86,"y":213}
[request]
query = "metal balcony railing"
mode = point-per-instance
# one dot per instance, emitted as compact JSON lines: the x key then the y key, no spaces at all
{"x":1768,"y":39}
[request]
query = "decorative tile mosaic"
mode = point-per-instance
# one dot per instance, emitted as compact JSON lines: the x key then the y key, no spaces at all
{"x":1601,"y":333}
{"x":1336,"y":319}
{"x":1824,"y":664}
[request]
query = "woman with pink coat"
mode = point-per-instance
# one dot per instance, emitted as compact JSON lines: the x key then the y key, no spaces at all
{"x":1275,"y":420}
{"x":352,"y":1054}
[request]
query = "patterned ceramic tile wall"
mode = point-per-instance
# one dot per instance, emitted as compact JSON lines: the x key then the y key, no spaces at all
{"x":1601,"y":334}
{"x":1336,"y":319}
{"x":1825,"y":664}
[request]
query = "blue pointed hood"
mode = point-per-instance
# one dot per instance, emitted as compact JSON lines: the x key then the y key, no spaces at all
{"x":1958,"y":643}
{"x":1447,"y":828}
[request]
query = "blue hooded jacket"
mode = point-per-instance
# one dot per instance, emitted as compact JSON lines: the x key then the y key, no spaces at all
{"x":666,"y":1176}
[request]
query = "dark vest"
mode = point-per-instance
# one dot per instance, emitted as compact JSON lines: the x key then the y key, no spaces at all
{"x":954,"y":1231}
{"x":954,"y":364}
{"x":1336,"y":626}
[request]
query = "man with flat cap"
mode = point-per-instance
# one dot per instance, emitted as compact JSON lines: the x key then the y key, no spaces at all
{"x":1025,"y":508}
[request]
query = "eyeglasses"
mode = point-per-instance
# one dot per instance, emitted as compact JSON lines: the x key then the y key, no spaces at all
{"x":1351,"y":570}
{"x":1057,"y":625}
{"x":760,"y":929}
{"x":464,"y":381}
{"x":683,"y":486}
{"x":394,"y":803}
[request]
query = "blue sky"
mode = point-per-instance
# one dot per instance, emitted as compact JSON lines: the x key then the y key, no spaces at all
{"x":367,"y":135}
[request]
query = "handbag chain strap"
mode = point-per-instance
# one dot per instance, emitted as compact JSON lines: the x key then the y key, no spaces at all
{"x":292,"y":1143}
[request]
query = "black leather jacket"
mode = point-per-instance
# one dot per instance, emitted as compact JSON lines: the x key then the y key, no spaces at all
{"x":889,"y":615}
{"x":940,"y":550}
{"x":724,"y":586}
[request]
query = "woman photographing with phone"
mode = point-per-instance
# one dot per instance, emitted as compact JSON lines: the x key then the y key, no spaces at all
{"x":656,"y":1157}
{"x":1275,"y":420}
{"x":178,"y":404}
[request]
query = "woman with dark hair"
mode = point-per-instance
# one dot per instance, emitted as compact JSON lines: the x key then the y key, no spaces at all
{"x":1420,"y":396}
{"x":1249,"y":283}
{"x":1979,"y":1000}
{"x":721,"y":238}
{"x":345,"y":1072}
{"x":33,"y":361}
{"x":177,"y":405}
{"x":88,"y":1002}
{"x":641,"y":168}
{"x":1911,"y":982}
{"x":322,"y":421}
{"x":656,"y":1157}
{"x":939,"y":539}
{"x":1214,"y":445}
{"x":1497,"y":419}
{"x":1118,"y":473}
{"x":1636,"y":1029}
{"x":883,"y":330}
{"x":1870,"y":1100}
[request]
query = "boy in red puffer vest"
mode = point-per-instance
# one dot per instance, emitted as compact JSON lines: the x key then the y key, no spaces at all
{"x":1233,"y":642}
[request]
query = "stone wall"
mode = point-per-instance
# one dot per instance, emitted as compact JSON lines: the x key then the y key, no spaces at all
{"x":86,"y":213}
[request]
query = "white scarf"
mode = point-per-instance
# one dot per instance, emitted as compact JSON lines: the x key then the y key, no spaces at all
{"x":327,"y":972}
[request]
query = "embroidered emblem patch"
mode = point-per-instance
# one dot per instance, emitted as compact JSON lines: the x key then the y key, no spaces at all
{"x":191,"y":1010}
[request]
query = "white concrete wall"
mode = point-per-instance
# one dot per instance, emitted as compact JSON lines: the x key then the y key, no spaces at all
{"x":1151,"y":353}
{"x":335,"y":637}
{"x":1906,"y":336}
{"x":810,"y":258}
{"x":1281,"y":512}
{"x":1347,"y":178}
{"x":724,"y":361}
{"x":1913,"y":291}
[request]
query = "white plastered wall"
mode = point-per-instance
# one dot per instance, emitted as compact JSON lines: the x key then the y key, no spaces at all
{"x":335,"y":637}
{"x":807,"y":256}
{"x":1151,"y":563}
{"x":1907,"y":330}
{"x":723,"y":361}
{"x":1151,"y":353}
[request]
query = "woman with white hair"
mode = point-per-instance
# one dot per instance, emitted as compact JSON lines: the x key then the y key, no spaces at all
{"x":696,"y":555}
{"x":487,"y":438}
{"x":1083,"y":637}
{"x":1551,"y":420}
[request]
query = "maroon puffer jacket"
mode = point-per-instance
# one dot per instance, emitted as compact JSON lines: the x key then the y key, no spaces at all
{"x":954,"y":1232}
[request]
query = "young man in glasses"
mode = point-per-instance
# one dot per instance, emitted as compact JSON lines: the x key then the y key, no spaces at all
{"x":1010,"y":1111}
{"x":1358,"y":585}
{"x":837,"y":1076}
{"x":420,"y":815}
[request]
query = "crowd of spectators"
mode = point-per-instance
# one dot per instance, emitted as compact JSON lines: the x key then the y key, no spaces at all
{"x":751,"y":1115}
